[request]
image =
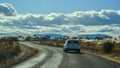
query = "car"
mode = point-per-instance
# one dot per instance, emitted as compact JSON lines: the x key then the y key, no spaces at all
{"x":71,"y":45}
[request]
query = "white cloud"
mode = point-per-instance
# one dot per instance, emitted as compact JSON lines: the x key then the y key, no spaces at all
{"x":7,"y":9}
{"x":64,"y":29}
{"x":104,"y":17}
{"x":79,"y":22}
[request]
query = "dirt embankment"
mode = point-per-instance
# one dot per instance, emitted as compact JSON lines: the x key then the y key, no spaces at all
{"x":25,"y":53}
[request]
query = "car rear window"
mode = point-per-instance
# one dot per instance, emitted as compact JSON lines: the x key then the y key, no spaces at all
{"x":73,"y":42}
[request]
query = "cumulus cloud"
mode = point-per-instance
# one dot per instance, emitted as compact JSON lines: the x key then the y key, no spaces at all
{"x":63,"y":29}
{"x":7,"y":9}
{"x":79,"y":22}
{"x":104,"y":17}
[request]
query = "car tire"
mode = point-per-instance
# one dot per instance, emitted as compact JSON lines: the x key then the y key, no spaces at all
{"x":65,"y":50}
{"x":78,"y":50}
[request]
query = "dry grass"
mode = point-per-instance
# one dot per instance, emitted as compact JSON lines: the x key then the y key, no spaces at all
{"x":11,"y":56}
{"x":11,"y":52}
{"x":100,"y":49}
{"x":8,"y":51}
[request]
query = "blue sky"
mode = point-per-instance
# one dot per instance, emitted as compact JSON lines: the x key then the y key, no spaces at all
{"x":44,"y":16}
{"x":62,"y":6}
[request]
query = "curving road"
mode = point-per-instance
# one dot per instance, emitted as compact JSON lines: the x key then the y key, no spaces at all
{"x":53,"y":57}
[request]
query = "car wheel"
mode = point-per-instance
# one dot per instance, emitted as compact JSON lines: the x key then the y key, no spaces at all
{"x":78,"y":50}
{"x":65,"y":50}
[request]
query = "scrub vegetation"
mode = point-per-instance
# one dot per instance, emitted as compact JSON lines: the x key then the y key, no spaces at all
{"x":11,"y":52}
{"x":106,"y":49}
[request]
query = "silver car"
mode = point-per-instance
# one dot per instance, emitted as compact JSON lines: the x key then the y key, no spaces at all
{"x":71,"y":45}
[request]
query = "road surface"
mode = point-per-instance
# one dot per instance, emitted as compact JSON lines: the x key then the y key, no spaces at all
{"x":53,"y":57}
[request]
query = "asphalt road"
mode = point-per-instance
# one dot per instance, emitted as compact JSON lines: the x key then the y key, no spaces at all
{"x":53,"y":57}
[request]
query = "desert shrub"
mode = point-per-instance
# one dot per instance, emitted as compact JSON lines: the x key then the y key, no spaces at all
{"x":8,"y":47}
{"x":108,"y":46}
{"x":2,"y":56}
{"x":116,"y":50}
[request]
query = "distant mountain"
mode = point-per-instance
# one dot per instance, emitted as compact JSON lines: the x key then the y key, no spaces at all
{"x":85,"y":35}
{"x":11,"y":34}
{"x":56,"y":35}
{"x":95,"y":35}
